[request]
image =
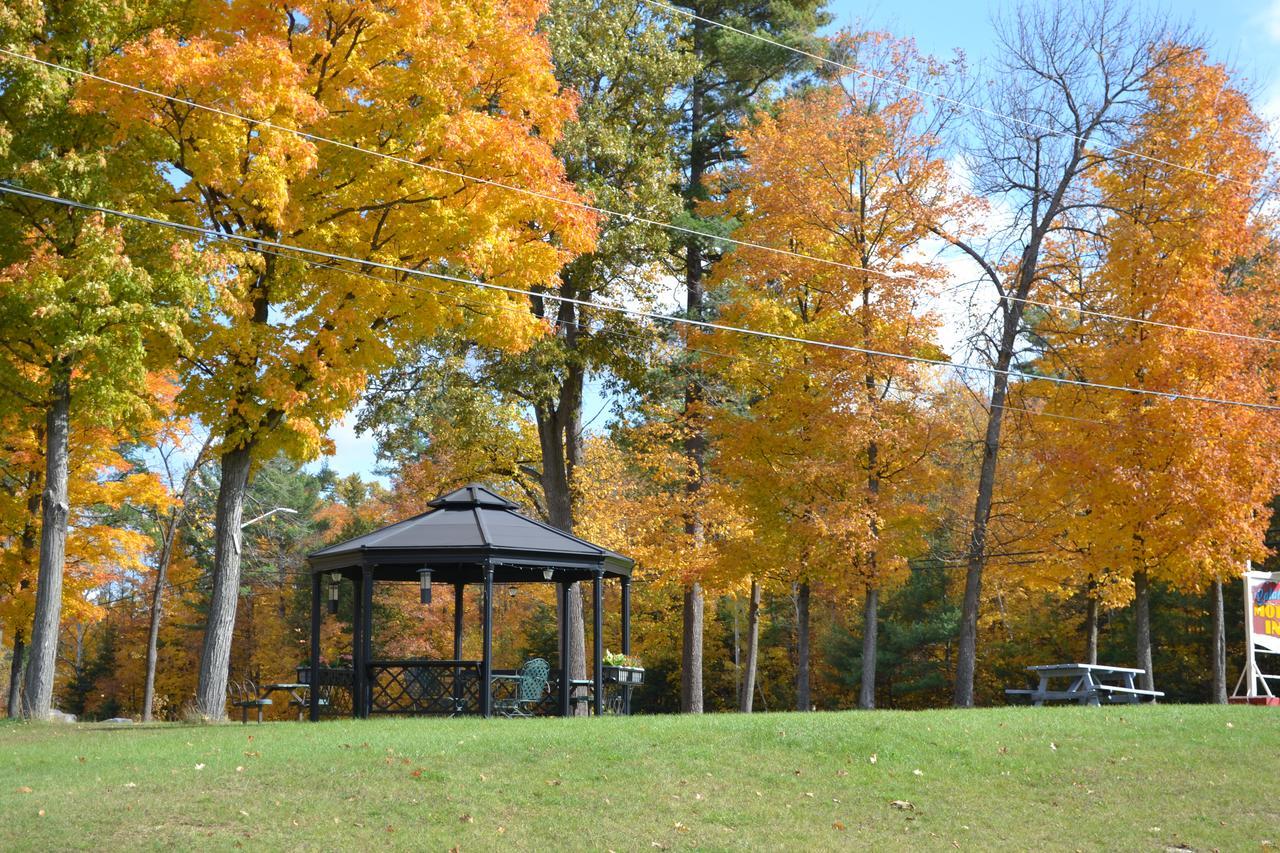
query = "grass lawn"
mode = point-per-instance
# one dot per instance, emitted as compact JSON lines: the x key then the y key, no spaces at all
{"x":1141,"y":778}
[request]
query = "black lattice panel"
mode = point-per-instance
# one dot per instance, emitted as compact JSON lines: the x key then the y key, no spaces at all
{"x":427,"y":690}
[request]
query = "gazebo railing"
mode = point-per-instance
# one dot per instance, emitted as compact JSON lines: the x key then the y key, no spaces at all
{"x":333,"y":687}
{"x":424,"y":687}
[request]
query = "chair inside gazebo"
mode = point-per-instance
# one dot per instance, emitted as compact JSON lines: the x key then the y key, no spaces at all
{"x":471,"y":536}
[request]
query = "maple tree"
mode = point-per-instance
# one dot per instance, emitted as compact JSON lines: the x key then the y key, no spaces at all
{"x":463,"y":86}
{"x":827,"y":450}
{"x":86,"y":305}
{"x":1158,"y":487}
{"x":105,"y":489}
{"x":733,"y":72}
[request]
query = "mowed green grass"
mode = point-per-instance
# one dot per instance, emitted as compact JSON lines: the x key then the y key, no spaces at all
{"x":1141,"y":778}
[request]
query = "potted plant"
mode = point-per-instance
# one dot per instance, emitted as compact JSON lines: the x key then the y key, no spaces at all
{"x":622,"y":669}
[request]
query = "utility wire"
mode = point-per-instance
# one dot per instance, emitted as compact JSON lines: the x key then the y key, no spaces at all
{"x":585,"y":326}
{"x":941,"y":99}
{"x":643,"y":220}
{"x":253,"y":242}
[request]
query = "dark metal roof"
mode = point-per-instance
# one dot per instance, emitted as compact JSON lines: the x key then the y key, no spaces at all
{"x":462,"y":530}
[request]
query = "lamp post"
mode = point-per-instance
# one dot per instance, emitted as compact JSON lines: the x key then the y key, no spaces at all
{"x":266,"y":514}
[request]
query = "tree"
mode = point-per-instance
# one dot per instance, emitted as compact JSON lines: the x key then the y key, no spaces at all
{"x":1067,"y":83}
{"x":85,"y":307}
{"x":829,"y":442}
{"x":105,"y":549}
{"x":460,"y":85}
{"x":733,"y":72}
{"x":181,"y":460}
{"x":1176,"y":491}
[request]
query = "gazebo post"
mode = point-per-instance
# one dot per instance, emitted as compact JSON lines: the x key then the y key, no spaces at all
{"x":313,"y":691}
{"x":626,"y":638}
{"x":366,"y":643}
{"x":486,"y":662}
{"x":562,"y":593}
{"x":597,"y":640}
{"x":357,"y":631}
{"x":458,"y":602}
{"x":458,"y":612}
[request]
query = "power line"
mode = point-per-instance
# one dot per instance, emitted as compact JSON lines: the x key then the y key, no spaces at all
{"x":643,"y":220}
{"x":942,"y":99}
{"x":586,"y":326}
{"x":651,"y":315}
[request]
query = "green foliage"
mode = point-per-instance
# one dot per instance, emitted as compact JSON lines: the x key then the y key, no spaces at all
{"x":917,"y":629}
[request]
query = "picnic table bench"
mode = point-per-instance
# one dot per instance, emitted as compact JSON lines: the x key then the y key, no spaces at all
{"x":1086,"y":684}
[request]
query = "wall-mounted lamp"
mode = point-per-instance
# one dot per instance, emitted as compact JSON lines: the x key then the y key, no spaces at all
{"x":335,"y":578}
{"x":424,"y":585}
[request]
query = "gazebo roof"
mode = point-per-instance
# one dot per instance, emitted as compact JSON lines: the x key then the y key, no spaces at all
{"x":461,"y":531}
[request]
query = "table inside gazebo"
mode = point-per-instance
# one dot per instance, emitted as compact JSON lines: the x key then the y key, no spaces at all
{"x":471,"y":536}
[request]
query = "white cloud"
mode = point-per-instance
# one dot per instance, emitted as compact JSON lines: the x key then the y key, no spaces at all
{"x":1270,"y":20}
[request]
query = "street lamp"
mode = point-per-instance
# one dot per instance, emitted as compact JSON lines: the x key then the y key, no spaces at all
{"x":255,"y":520}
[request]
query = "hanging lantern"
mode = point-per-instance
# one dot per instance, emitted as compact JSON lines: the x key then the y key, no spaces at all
{"x":335,"y":578}
{"x":511,"y":590}
{"x":424,"y":585}
{"x":546,"y":574}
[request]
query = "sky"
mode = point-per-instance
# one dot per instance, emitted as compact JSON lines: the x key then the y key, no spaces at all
{"x":1245,"y":34}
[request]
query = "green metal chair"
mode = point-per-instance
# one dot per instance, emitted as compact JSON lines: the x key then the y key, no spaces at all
{"x":524,"y":690}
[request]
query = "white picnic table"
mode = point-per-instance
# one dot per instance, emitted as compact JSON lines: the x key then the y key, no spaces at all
{"x":1086,"y":684}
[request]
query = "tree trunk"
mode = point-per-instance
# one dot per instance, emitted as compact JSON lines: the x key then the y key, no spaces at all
{"x":747,"y":694}
{"x":1091,"y":631}
{"x":15,"y":675}
{"x":870,"y":619}
{"x":153,"y":629}
{"x":802,"y":647}
{"x":559,"y":440}
{"x":37,"y":691}
{"x":691,"y":658}
{"x":696,"y":444}
{"x":215,"y":656}
{"x":967,"y":647}
{"x":1219,"y":647}
{"x":1142,"y":627}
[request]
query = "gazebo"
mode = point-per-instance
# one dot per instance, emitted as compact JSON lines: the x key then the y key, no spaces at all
{"x":469,"y":536}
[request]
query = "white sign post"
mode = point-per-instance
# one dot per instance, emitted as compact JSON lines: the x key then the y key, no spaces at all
{"x":1262,"y":638}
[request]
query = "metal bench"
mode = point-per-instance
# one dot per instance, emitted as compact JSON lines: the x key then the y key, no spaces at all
{"x":244,"y":695}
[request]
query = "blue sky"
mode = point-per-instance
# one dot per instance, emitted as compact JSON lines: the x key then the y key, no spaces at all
{"x":1245,"y":34}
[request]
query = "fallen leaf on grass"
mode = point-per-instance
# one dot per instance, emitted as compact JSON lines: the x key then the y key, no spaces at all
{"x":25,"y":789}
{"x":838,"y":826}
{"x":40,"y":813}
{"x":199,"y":766}
{"x":842,"y":772}
{"x":131,"y":784}
{"x":417,"y":774}
{"x":680,"y":827}
{"x":902,"y":805}
{"x":917,"y":772}
{"x":466,"y":818}
{"x":873,"y":758}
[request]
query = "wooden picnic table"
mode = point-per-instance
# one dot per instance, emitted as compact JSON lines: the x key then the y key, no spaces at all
{"x":1086,"y":684}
